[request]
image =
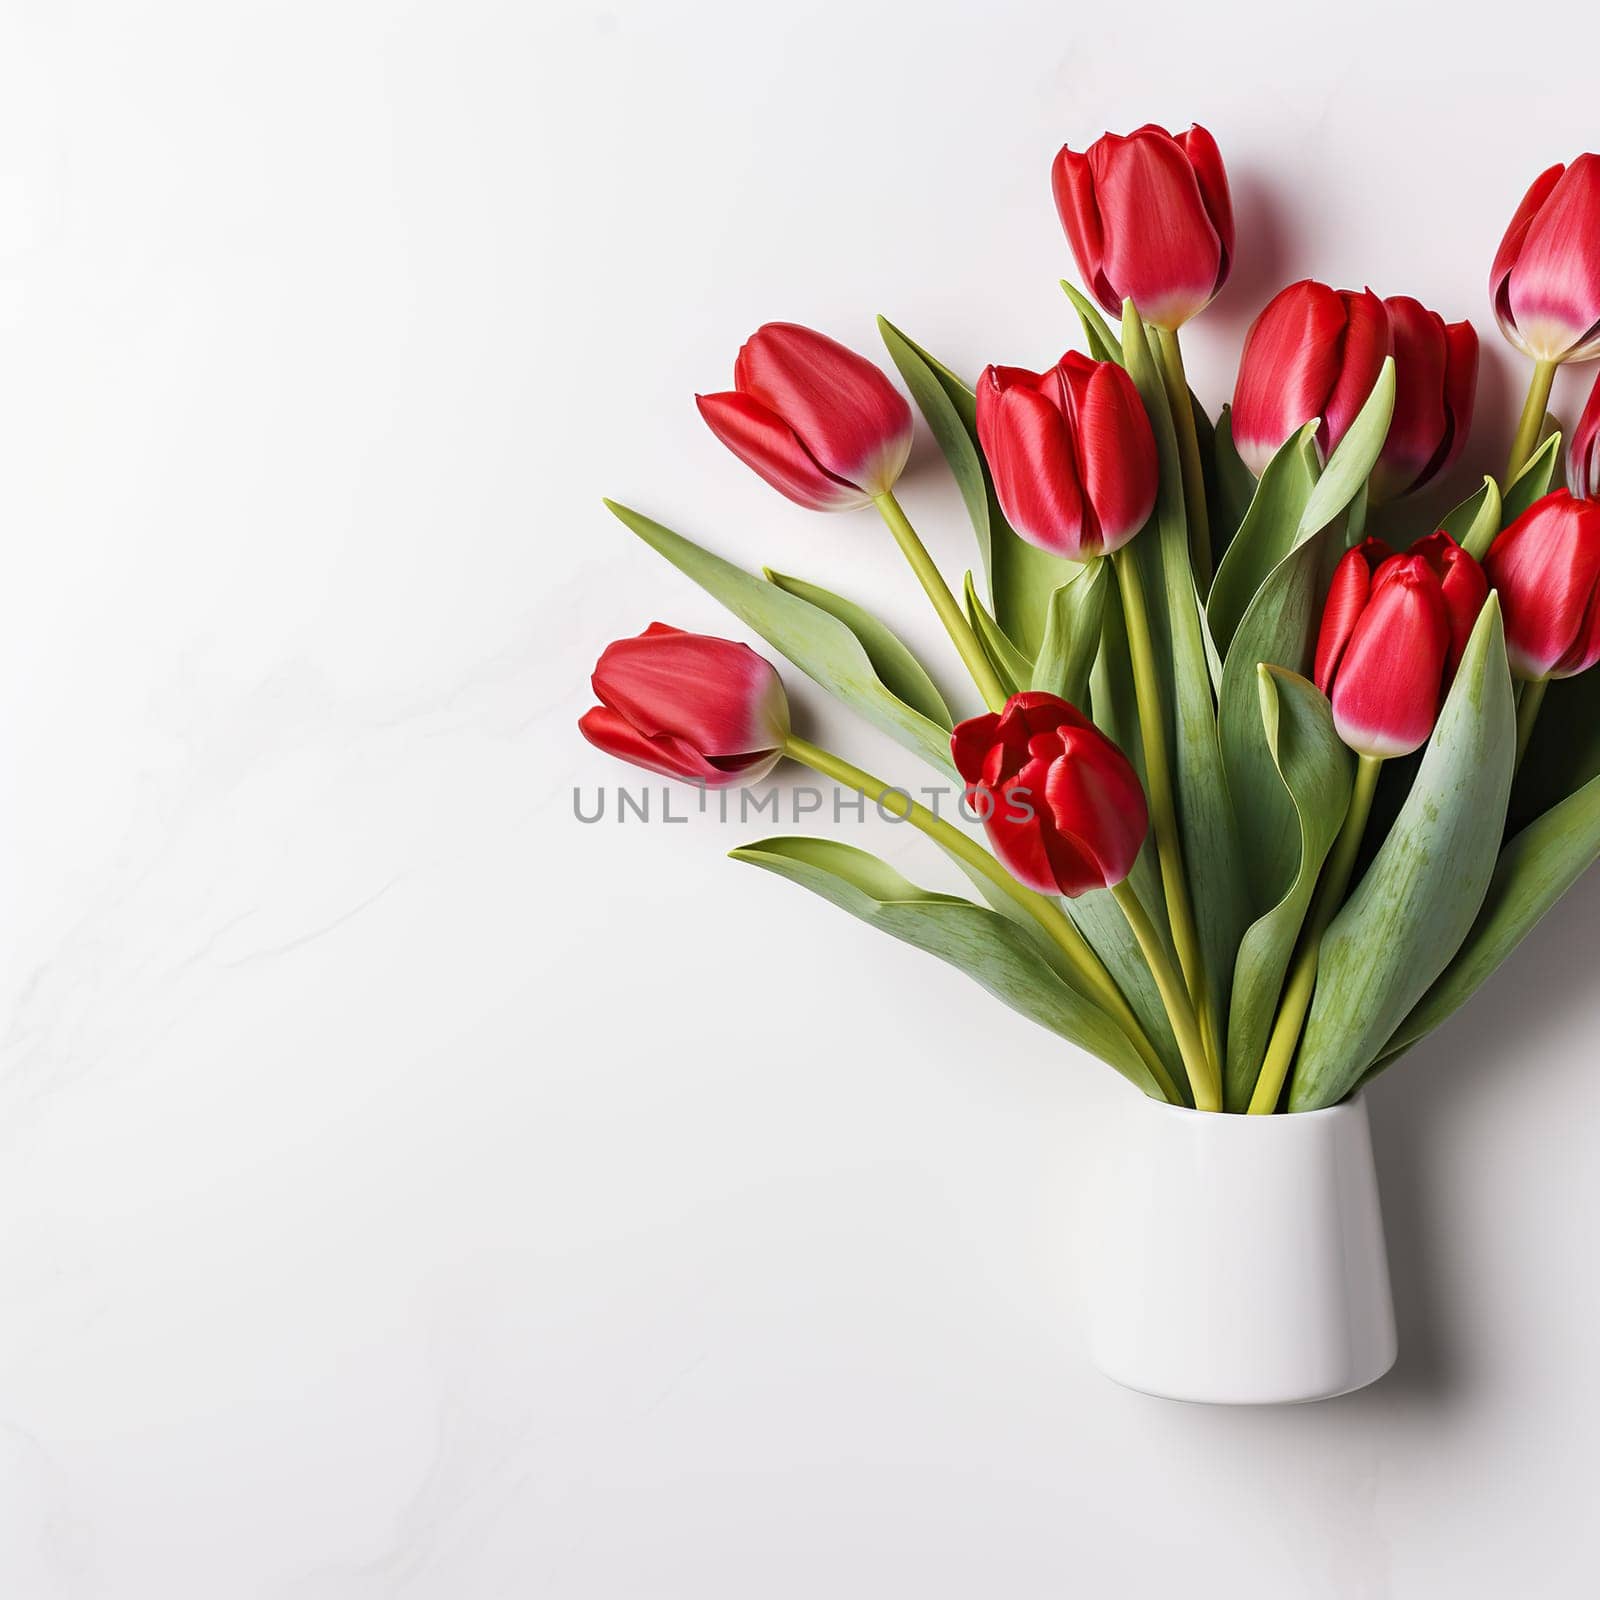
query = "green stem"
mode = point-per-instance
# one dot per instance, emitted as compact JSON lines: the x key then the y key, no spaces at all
{"x":938,"y":591}
{"x":1528,"y":703}
{"x":1163,"y":808}
{"x":1302,"y":978}
{"x":1532,"y":419}
{"x":1194,"y":474}
{"x":1355,"y":528}
{"x":1203,"y":1076}
{"x":1050,"y":917}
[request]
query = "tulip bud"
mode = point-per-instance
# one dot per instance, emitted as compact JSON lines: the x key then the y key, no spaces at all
{"x":1436,"y":381}
{"x":821,"y":424}
{"x":1583,"y":454}
{"x":708,"y":711}
{"x":1393,"y":632}
{"x":1071,"y":453}
{"x":1313,"y":352}
{"x":1060,"y":802}
{"x":1546,"y":567}
{"x":1149,"y":219}
{"x":1545,"y":281}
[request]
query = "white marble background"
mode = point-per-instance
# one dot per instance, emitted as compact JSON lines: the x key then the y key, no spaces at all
{"x":406,"y":1191}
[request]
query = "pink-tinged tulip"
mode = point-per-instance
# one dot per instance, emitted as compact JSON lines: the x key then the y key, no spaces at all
{"x":1149,"y":219}
{"x":821,"y":424}
{"x":1546,"y":567}
{"x":1545,"y":281}
{"x":1071,"y":453}
{"x":1436,"y":382}
{"x":1313,"y":352}
{"x":1060,"y":802}
{"x":708,"y":711}
{"x":1393,"y":632}
{"x":1583,"y":454}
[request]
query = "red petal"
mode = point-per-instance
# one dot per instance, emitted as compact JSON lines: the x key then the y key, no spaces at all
{"x":970,"y":742}
{"x":1347,"y":595}
{"x":1463,"y":585}
{"x":1505,"y":258}
{"x":763,"y":440}
{"x":1098,"y":809}
{"x":842,"y":408}
{"x":1073,"y":185}
{"x":1553,"y":291}
{"x":1421,"y":424}
{"x":1289,"y":365}
{"x":1546,"y":567}
{"x":610,"y":731}
{"x":1161,"y":250}
{"x":1212,"y":177}
{"x":1029,"y":451}
{"x":1116,"y":454}
{"x":1367,"y":341}
{"x":1387,"y":690}
{"x":1583,"y":456}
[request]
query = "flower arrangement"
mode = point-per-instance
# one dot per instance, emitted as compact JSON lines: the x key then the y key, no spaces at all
{"x":1268,"y":796}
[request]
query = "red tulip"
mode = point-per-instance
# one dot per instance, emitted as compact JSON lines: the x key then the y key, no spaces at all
{"x":1392,"y":635}
{"x":1545,"y":281}
{"x":1583,"y":454}
{"x":1546,"y":567}
{"x":708,"y":711}
{"x":1313,"y":352}
{"x":821,"y":424}
{"x":1071,"y":453}
{"x":1149,"y":220}
{"x":1436,"y":381}
{"x":1060,"y":802}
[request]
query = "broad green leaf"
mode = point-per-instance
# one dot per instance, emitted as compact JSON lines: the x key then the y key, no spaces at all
{"x":1279,"y":628}
{"x":1315,"y":770}
{"x":1210,"y":848}
{"x":897,"y":668}
{"x":1357,"y":453}
{"x":1103,"y":343}
{"x":817,"y":642}
{"x":1072,"y":635}
{"x":982,"y":943}
{"x":1418,"y":900}
{"x":1533,"y":482}
{"x":1533,"y":872}
{"x":1269,"y":531}
{"x":1474,"y":523}
{"x":1012,"y":666}
{"x":1020,"y":576}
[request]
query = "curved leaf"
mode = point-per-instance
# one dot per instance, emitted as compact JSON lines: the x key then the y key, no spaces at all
{"x":1474,"y":523}
{"x":1072,"y":635}
{"x":1210,"y":847}
{"x":817,"y":642}
{"x":1013,"y":668}
{"x":1417,"y":902}
{"x":982,"y":943}
{"x":1103,"y":343}
{"x":1235,"y":487}
{"x":1533,"y":872}
{"x":898,"y":669}
{"x":1021,"y":577}
{"x":1316,"y":771}
{"x":1352,"y":462}
{"x":1269,"y":531}
{"x":1533,"y":482}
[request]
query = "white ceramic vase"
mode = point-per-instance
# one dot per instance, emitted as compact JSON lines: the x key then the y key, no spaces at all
{"x":1240,"y":1260}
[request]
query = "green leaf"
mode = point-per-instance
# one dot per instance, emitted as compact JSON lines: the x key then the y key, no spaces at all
{"x":1103,"y":343}
{"x":817,"y":642}
{"x":1533,"y":872}
{"x":1021,"y":577}
{"x":1533,"y":482}
{"x":1316,"y":771}
{"x":1012,"y":667}
{"x":1418,"y":900}
{"x":1235,"y":486}
{"x":1279,"y":628}
{"x":1269,"y":531}
{"x":982,"y":943}
{"x":1474,"y":523}
{"x":898,"y":669}
{"x":1072,"y":635}
{"x":1205,"y":816}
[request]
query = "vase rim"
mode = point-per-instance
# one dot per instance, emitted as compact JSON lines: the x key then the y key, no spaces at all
{"x":1351,"y":1102}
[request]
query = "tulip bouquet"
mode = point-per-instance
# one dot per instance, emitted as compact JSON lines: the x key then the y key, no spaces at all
{"x":1274,"y":774}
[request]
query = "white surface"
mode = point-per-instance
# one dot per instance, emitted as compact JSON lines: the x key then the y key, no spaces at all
{"x":405,"y":1190}
{"x":1239,"y":1260}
